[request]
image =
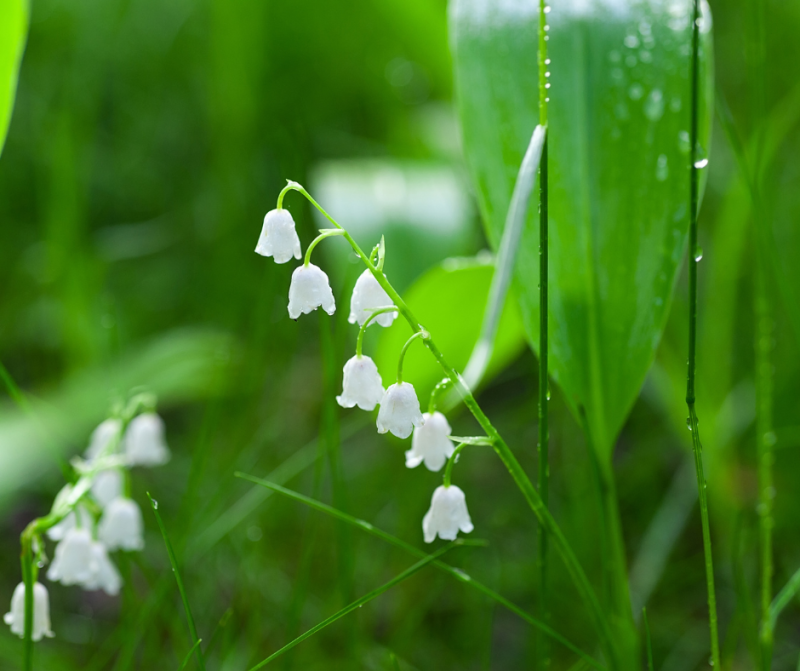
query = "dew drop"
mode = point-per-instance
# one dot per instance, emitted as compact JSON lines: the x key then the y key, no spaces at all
{"x":546,"y":37}
{"x":155,"y":504}
{"x":547,"y":9}
{"x":547,"y":61}
{"x":698,"y":254}
{"x":636,"y":91}
{"x":770,"y":438}
{"x":645,"y":28}
{"x":662,"y":169}
{"x":631,"y":41}
{"x":689,"y":423}
{"x":702,"y":163}
{"x":547,"y":86}
{"x":547,"y":28}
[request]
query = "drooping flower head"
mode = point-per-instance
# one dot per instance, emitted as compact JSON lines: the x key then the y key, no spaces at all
{"x":447,"y":515}
{"x":399,"y":411}
{"x":41,"y":612}
{"x":102,"y":436}
{"x":106,"y":486}
{"x":121,"y":525}
{"x":368,"y":295}
{"x":144,"y":442}
{"x":431,"y":443}
{"x":309,"y":290}
{"x":58,"y":531}
{"x":103,"y":574}
{"x":361,"y":384}
{"x":278,"y":237}
{"x":72,"y":563}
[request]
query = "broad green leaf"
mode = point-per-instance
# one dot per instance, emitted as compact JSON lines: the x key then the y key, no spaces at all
{"x":13,"y":31}
{"x":619,"y":117}
{"x":449,"y":300}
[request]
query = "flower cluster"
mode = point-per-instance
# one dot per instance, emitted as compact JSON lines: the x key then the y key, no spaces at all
{"x":362,"y":386}
{"x":94,"y":515}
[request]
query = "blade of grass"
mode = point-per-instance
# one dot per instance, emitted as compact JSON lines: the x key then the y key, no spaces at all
{"x":174,"y":562}
{"x":189,"y":654}
{"x":783,"y":598}
{"x":647,"y":640}
{"x":360,"y":602}
{"x":452,"y":571}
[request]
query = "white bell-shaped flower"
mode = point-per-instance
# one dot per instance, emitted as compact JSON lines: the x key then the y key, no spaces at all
{"x":41,"y":612}
{"x":278,"y":237}
{"x":58,"y":531}
{"x":102,"y":436}
{"x":447,"y":515}
{"x":431,"y":443}
{"x":368,"y":295}
{"x":121,"y":525}
{"x":309,"y":290}
{"x":399,"y":411}
{"x":72,"y":563}
{"x":361,"y":384}
{"x":144,"y":441}
{"x":104,"y":575}
{"x":106,"y":486}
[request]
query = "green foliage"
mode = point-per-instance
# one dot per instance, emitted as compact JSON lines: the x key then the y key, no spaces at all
{"x":13,"y":31}
{"x":618,"y":197}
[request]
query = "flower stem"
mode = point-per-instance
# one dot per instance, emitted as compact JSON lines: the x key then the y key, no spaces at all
{"x":26,"y":559}
{"x":363,"y":328}
{"x":513,"y":466}
{"x":692,"y":364}
{"x":448,"y":471}
{"x":437,"y":391}
{"x":326,"y":233}
{"x":419,"y":334}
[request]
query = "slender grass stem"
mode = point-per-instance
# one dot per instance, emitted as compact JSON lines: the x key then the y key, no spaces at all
{"x":521,"y":479}
{"x":201,"y":662}
{"x":648,"y":642}
{"x":692,"y":363}
{"x":397,"y":542}
{"x":189,"y":654}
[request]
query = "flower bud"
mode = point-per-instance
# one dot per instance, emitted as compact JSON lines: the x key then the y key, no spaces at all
{"x":309,"y":290}
{"x":106,"y":486}
{"x":121,"y":525}
{"x":278,"y":237}
{"x":102,"y":436}
{"x":144,"y":443}
{"x":431,"y":443}
{"x":103,"y":574}
{"x":447,"y":515}
{"x":361,"y":384}
{"x":368,"y":295}
{"x":71,"y":565}
{"x":41,"y":612}
{"x":399,"y":411}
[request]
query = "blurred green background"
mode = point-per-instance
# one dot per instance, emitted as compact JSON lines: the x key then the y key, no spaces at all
{"x":147,"y":142}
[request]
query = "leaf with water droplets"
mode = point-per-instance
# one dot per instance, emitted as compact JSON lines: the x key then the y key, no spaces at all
{"x":619,"y":175}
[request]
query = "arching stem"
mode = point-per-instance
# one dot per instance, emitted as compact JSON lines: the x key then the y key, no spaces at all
{"x":363,"y":328}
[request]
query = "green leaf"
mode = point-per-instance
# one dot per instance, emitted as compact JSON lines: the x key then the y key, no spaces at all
{"x":449,"y":300}
{"x":13,"y":32}
{"x":619,"y":175}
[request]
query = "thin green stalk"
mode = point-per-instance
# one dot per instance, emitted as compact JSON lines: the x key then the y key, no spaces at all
{"x":325,"y":233}
{"x":784,"y":598}
{"x":359,"y":602}
{"x":189,"y":654}
{"x":458,"y":574}
{"x":26,"y":559}
{"x":418,"y":334}
{"x":648,"y":642}
{"x":448,"y":471}
{"x":363,"y":329}
{"x":201,"y":662}
{"x":692,"y":363}
{"x":514,"y":468}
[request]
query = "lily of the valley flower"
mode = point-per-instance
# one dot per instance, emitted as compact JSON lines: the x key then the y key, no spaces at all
{"x":121,"y":525}
{"x":309,"y":290}
{"x":361,"y":385}
{"x":41,"y":612}
{"x":57,"y":532}
{"x":368,"y":296}
{"x":72,"y":563}
{"x":399,"y":411}
{"x":447,"y":515}
{"x":102,"y":436}
{"x":106,"y":486}
{"x":144,"y":441}
{"x":431,"y":443}
{"x":103,"y":574}
{"x":278,"y":237}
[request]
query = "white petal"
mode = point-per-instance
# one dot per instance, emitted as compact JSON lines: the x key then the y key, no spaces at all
{"x":368,"y":295}
{"x":41,"y":612}
{"x":144,"y":443}
{"x":104,"y":574}
{"x":279,"y":237}
{"x":102,"y":436}
{"x":121,"y":525}
{"x":447,"y":515}
{"x":72,"y":562}
{"x":361,"y":384}
{"x":106,"y":486}
{"x":309,"y":290}
{"x":399,"y":411}
{"x":431,"y":442}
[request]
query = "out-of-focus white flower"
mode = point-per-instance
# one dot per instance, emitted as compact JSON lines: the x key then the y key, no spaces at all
{"x":447,"y":514}
{"x":399,"y":411}
{"x":41,"y":612}
{"x":58,"y":531}
{"x":278,"y":237}
{"x":144,"y":443}
{"x":121,"y":525}
{"x":106,"y":486}
{"x":103,"y":574}
{"x":368,"y":295}
{"x":72,"y":563}
{"x":361,"y":385}
{"x":102,"y":436}
{"x":431,"y":443}
{"x":309,"y":290}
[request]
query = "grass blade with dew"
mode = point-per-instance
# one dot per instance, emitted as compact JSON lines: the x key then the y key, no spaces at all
{"x":452,"y":571}
{"x":174,"y":562}
{"x":360,"y":602}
